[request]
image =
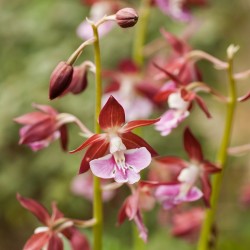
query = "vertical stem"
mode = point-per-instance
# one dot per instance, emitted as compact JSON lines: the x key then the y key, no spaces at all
{"x":140,"y":32}
{"x":205,"y":240}
{"x":97,"y":203}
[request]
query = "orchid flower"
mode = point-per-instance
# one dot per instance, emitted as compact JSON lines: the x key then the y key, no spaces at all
{"x":41,"y":128}
{"x":140,"y":200}
{"x":129,"y":153}
{"x":187,"y":224}
{"x":55,"y":227}
{"x":179,"y":9}
{"x":131,"y":89}
{"x":171,"y":195}
{"x":196,"y":168}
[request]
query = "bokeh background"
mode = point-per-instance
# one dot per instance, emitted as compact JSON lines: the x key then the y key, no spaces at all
{"x":34,"y":37}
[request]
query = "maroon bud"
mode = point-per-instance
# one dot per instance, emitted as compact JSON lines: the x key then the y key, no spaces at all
{"x":126,"y":17}
{"x":79,"y":80}
{"x":60,"y":79}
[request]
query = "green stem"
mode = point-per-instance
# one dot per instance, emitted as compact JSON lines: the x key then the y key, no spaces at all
{"x":97,"y":203}
{"x":206,"y":236}
{"x":140,"y":32}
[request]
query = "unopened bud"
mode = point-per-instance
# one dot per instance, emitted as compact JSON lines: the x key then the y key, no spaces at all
{"x":126,"y":17}
{"x":79,"y":80}
{"x":60,"y":79}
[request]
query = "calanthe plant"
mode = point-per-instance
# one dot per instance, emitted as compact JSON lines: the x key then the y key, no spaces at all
{"x":115,"y":154}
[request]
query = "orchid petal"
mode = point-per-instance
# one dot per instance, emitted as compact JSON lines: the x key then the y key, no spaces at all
{"x":92,"y":140}
{"x":55,"y":243}
{"x":143,"y":231}
{"x":138,"y":158}
{"x":137,"y":123}
{"x":64,"y":137}
{"x":203,"y":106}
{"x":192,"y":146}
{"x":78,"y":241}
{"x":103,"y":167}
{"x":38,"y":131}
{"x":132,"y":141}
{"x":132,"y":176}
{"x":121,"y":176}
{"x":31,"y":118}
{"x":45,"y":108}
{"x":178,"y":45}
{"x":96,"y":150}
{"x":37,"y":241}
{"x":206,"y":188}
{"x":34,"y":207}
{"x":112,"y":114}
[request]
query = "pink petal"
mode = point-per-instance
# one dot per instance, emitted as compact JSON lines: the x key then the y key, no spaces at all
{"x":170,"y":120}
{"x":178,"y":13}
{"x":192,"y":146}
{"x":133,"y":177}
{"x":31,"y":118}
{"x":55,"y":243}
{"x":143,"y":231}
{"x":37,"y":241}
{"x":121,"y":176}
{"x":138,"y":158}
{"x":45,"y":108}
{"x":103,"y":167}
{"x":78,"y":240}
{"x":112,"y":114}
{"x":34,"y":207}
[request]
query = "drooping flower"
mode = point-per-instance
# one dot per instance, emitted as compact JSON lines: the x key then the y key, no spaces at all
{"x":129,"y":153}
{"x":187,"y":224}
{"x":41,"y":128}
{"x":131,"y":89}
{"x":180,"y":90}
{"x":140,"y":200}
{"x":179,"y":9}
{"x":196,"y":168}
{"x":55,"y":227}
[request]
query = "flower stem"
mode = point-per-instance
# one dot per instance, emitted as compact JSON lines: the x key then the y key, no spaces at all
{"x":140,"y":32}
{"x":97,"y":202}
{"x":206,"y":236}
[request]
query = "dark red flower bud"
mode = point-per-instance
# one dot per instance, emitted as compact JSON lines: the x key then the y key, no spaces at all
{"x":79,"y":80}
{"x":60,"y":79}
{"x":126,"y":17}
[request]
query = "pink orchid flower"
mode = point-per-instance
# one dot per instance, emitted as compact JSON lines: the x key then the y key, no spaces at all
{"x":140,"y":200}
{"x":187,"y":224}
{"x":131,"y":89}
{"x":129,"y":153}
{"x":171,"y":195}
{"x":196,"y":168}
{"x":41,"y":128}
{"x":179,"y":9}
{"x":55,"y":227}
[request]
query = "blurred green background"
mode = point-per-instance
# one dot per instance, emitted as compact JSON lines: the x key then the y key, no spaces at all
{"x":34,"y":37}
